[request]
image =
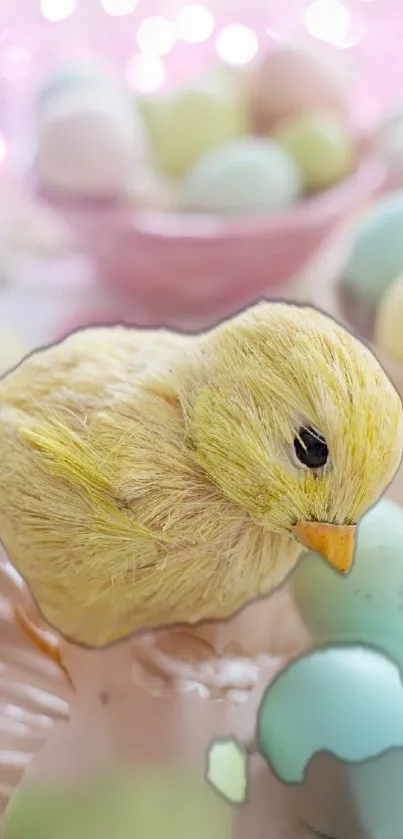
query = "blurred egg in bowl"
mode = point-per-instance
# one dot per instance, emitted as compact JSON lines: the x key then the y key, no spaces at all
{"x":209,"y":216}
{"x":367,"y":294}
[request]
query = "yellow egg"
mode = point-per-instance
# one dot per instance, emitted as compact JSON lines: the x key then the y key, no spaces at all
{"x":389,"y":321}
{"x":186,"y":124}
{"x":322,"y":146}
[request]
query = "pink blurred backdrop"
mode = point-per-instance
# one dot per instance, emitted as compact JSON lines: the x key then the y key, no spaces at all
{"x":368,"y":50}
{"x":362,"y":40}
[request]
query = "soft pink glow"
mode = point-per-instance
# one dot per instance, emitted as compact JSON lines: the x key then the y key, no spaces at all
{"x":15,"y":63}
{"x":367,"y":48}
{"x":145,"y":73}
{"x":156,"y":36}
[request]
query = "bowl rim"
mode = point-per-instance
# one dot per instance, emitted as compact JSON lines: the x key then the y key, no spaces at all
{"x":368,"y":178}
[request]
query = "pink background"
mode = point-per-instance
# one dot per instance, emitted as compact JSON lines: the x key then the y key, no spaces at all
{"x":370,"y":57}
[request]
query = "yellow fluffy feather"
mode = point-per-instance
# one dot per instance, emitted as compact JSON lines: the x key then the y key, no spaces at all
{"x":148,"y":478}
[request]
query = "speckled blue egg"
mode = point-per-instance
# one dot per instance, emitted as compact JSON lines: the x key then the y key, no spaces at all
{"x":366,"y":606}
{"x":377,"y":254}
{"x":247,"y":176}
{"x":347,"y":701}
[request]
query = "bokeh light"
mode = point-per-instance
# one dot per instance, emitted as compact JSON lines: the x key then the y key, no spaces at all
{"x":145,"y":73}
{"x":194,"y":24}
{"x":54,"y":10}
{"x":329,"y":21}
{"x":3,"y":149}
{"x":119,"y":7}
{"x":237,"y":44}
{"x":156,"y":36}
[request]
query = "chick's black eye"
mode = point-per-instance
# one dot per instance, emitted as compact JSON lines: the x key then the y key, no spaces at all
{"x":310,"y":448}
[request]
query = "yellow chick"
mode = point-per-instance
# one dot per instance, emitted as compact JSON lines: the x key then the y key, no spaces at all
{"x":150,"y":478}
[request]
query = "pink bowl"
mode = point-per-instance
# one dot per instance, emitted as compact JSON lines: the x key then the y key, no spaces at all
{"x":185,"y":267}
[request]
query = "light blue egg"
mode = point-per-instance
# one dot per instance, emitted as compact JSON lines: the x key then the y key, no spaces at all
{"x":366,"y":606}
{"x":344,"y":700}
{"x":376,"y":258}
{"x":249,"y":175}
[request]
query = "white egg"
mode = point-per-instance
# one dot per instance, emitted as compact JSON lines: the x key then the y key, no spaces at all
{"x":90,"y":141}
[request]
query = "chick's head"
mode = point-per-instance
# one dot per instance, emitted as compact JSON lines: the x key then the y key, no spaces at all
{"x":298,"y":423}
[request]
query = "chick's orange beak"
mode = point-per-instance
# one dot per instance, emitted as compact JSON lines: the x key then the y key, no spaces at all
{"x":333,"y":541}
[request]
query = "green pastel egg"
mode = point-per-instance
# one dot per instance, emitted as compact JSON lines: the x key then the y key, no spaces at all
{"x":322,"y":146}
{"x":149,"y":804}
{"x":347,"y":701}
{"x":186,"y":124}
{"x":250,"y":175}
{"x":366,"y":606}
{"x":376,"y":257}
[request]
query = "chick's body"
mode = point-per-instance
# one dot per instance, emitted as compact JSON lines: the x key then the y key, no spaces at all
{"x":149,"y":478}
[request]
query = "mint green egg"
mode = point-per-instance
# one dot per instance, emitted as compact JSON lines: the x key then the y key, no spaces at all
{"x":249,"y":175}
{"x":376,"y":257}
{"x":347,"y":701}
{"x":366,"y":606}
{"x":147,"y":805}
{"x":322,"y":145}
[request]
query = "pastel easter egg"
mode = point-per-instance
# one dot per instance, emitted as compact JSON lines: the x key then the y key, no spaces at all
{"x":389,"y":321}
{"x":250,"y":175}
{"x":190,"y":122}
{"x":289,"y":82}
{"x":323,"y":147}
{"x":344,"y":700}
{"x":147,"y":805}
{"x":366,"y":606}
{"x":90,"y":142}
{"x":376,"y":256}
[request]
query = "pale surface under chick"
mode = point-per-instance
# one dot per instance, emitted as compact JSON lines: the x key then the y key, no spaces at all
{"x":150,"y":478}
